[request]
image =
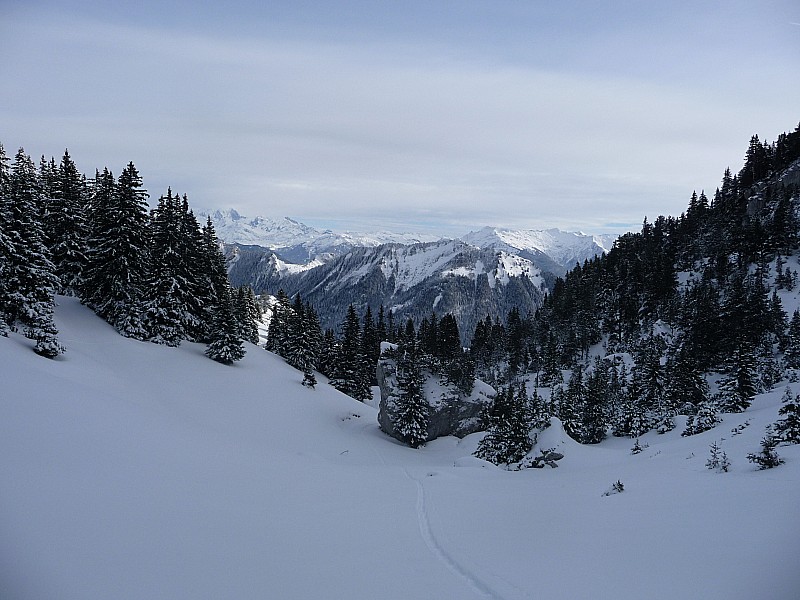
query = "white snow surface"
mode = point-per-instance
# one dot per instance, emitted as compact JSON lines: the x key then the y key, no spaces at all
{"x":564,"y":247}
{"x":135,"y":471}
{"x":409,"y":265}
{"x":508,"y":265}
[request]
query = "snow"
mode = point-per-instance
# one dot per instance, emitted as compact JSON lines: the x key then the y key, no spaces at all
{"x":284,"y":232}
{"x":508,"y":265}
{"x":564,"y":247}
{"x":129,"y":470}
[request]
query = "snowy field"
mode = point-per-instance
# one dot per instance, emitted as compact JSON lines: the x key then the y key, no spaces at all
{"x":129,"y":470}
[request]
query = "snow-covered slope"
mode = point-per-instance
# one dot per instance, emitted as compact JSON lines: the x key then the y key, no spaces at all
{"x":564,"y":248}
{"x":552,"y":249}
{"x":133,"y":471}
{"x":449,"y":276}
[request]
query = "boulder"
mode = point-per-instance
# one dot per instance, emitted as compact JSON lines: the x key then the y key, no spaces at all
{"x":451,"y":413}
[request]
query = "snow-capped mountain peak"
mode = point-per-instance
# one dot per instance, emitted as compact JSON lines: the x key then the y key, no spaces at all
{"x":565,"y":248}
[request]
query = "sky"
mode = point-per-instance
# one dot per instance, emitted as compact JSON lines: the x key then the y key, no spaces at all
{"x":437,"y":117}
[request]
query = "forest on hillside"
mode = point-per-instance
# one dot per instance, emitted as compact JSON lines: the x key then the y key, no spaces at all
{"x":684,"y":317}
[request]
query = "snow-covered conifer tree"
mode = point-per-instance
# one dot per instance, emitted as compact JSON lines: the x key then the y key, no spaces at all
{"x":66,"y":223}
{"x":508,"y":439}
{"x":118,"y":255}
{"x":787,"y":429}
{"x":410,"y":415}
{"x":225,"y":343}
{"x":29,"y":278}
{"x":767,"y":458}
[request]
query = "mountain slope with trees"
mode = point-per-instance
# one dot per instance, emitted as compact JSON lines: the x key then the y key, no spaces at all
{"x":152,"y":274}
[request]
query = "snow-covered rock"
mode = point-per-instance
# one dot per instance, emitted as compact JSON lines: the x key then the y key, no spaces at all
{"x":450,"y":413}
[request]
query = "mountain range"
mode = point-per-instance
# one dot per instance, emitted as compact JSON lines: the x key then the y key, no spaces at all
{"x":295,"y":243}
{"x":485,"y":272}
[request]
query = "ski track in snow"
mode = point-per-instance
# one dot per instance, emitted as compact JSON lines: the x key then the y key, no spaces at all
{"x":440,"y":552}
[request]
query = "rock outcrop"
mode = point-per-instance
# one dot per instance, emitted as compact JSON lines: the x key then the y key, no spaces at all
{"x":451,"y":413}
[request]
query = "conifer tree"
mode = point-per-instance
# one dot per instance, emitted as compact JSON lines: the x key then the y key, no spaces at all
{"x":508,"y":438}
{"x":739,"y":386}
{"x":295,"y":349}
{"x":787,"y":429}
{"x":225,"y":343}
{"x":278,"y":332}
{"x":705,"y":419}
{"x":66,"y":222}
{"x":253,"y":318}
{"x":370,"y":345}
{"x":792,"y":351}
{"x":381,"y":331}
{"x":411,"y":410}
{"x":29,"y":278}
{"x":326,"y":363}
{"x":248,"y":313}
{"x":192,"y":268}
{"x":593,"y":416}
{"x":118,"y":257}
{"x":350,"y":376}
{"x":166,"y":305}
{"x":572,"y":404}
{"x":718,"y":459}
{"x":685,"y":387}
{"x":539,"y":411}
{"x":6,"y":247}
{"x":767,"y":458}
{"x":212,"y":263}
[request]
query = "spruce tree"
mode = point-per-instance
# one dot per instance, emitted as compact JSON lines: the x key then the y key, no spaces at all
{"x":278,"y":333}
{"x":411,"y":410}
{"x":792,"y":350}
{"x":6,"y":247}
{"x":738,"y":387}
{"x":248,"y":313}
{"x":225,"y":343}
{"x":118,"y":257}
{"x":29,"y":278}
{"x":212,"y":264}
{"x":539,"y":411}
{"x":572,"y":404}
{"x":593,"y":418}
{"x":787,"y":429}
{"x":705,"y":419}
{"x":508,"y":438}
{"x":350,"y":375}
{"x":66,"y":222}
{"x":767,"y":458}
{"x":370,"y":344}
{"x":166,"y":315}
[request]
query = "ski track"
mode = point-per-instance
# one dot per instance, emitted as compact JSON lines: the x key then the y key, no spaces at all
{"x":441,"y":553}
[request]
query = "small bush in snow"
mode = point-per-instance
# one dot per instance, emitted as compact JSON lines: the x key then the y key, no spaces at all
{"x":637,"y":447}
{"x":616,"y":488}
{"x":718,"y":461}
{"x":767,"y":458}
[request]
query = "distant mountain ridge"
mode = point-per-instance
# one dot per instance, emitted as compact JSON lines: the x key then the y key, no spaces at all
{"x":448,"y":276}
{"x":486,"y":272}
{"x":295,"y":243}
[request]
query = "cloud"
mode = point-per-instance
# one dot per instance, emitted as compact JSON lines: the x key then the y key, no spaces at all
{"x":375,"y":131}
